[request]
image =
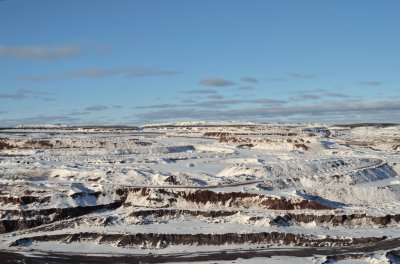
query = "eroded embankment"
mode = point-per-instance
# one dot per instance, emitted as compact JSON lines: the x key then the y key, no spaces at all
{"x":10,"y":143}
{"x":199,"y":198}
{"x":327,"y":220}
{"x":155,"y":240}
{"x":173,"y":204}
{"x":23,"y":219}
{"x":17,"y":219}
{"x":286,"y":219}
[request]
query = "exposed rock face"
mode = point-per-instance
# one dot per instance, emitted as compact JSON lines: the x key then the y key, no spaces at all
{"x":301,"y":146}
{"x":168,"y":198}
{"x":21,"y":200}
{"x":162,"y":240}
{"x":7,"y":143}
{"x":295,"y":143}
{"x":4,"y":144}
{"x":180,"y":212}
{"x":216,"y":134}
{"x":20,"y":143}
{"x":225,"y":139}
{"x":171,"y":179}
{"x":245,"y":146}
{"x":33,"y":218}
{"x":336,"y":219}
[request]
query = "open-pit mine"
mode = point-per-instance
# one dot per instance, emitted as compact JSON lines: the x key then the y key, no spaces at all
{"x":204,"y":192}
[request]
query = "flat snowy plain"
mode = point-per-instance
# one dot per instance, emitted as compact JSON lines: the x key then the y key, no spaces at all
{"x":204,"y":192}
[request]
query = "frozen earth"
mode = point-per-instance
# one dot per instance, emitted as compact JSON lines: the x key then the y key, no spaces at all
{"x":201,"y":192}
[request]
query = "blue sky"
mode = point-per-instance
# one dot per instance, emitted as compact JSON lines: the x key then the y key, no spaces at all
{"x":131,"y":62}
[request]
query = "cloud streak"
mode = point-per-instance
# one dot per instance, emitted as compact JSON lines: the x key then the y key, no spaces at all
{"x":161,"y":106}
{"x":23,"y":94}
{"x":337,"y":95}
{"x":96,"y":108}
{"x":200,"y":91}
{"x":305,"y":76}
{"x":134,"y":72}
{"x":277,"y":79}
{"x":305,"y":96}
{"x":374,"y":108}
{"x":79,"y":113}
{"x":267,"y":101}
{"x":245,"y":88}
{"x":40,"y":52}
{"x":217,"y":82}
{"x":215,"y":96}
{"x":249,"y":80}
{"x":319,"y":94}
{"x":217,"y":103}
{"x":371,"y":83}
{"x":41,"y":119}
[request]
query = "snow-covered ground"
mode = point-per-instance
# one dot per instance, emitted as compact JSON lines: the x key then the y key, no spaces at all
{"x":170,"y":188}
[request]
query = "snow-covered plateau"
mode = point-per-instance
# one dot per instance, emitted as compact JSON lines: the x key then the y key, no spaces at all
{"x":201,"y":192}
